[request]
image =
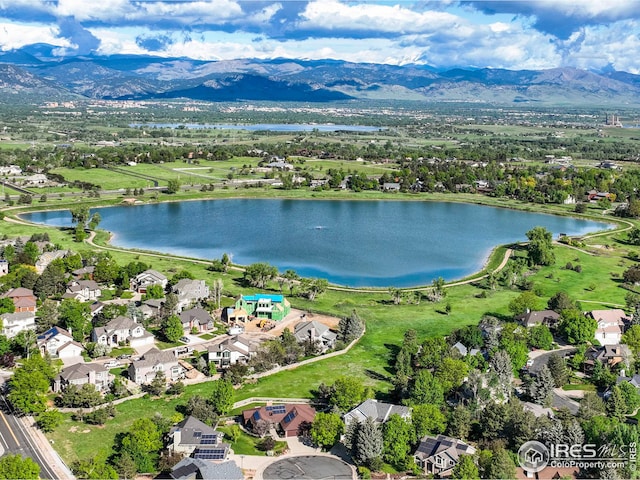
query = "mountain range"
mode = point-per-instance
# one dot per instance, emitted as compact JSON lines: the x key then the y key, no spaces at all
{"x":30,"y":71}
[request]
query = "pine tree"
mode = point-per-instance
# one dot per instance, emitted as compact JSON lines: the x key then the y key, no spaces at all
{"x":542,"y":386}
{"x":616,"y":405}
{"x":558,"y":369}
{"x":500,"y":364}
{"x":368,"y":442}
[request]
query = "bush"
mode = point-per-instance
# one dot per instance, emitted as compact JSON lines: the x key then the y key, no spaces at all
{"x":364,"y":473}
{"x":577,"y":268}
{"x":267,"y":443}
{"x":569,"y":266}
{"x":97,"y":417}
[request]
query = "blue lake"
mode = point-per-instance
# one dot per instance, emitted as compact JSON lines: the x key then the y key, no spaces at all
{"x":354,"y":243}
{"x":272,"y":127}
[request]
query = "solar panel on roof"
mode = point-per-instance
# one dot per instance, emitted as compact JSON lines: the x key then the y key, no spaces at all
{"x":290,"y":416}
{"x":208,"y":441}
{"x":210,"y":454}
{"x":256,"y":415}
{"x":277,"y":409}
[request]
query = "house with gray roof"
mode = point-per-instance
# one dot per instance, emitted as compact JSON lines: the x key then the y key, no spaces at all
{"x":144,"y":280}
{"x":378,"y":411}
{"x":81,"y":373}
{"x":316,"y":332}
{"x":143,"y":371}
{"x":194,"y":468}
{"x":47,"y":257}
{"x":540,"y":317}
{"x":191,"y":436}
{"x":190,"y":292}
{"x":14,"y":323}
{"x":439,"y":455}
{"x":122,"y":331}
{"x":58,"y":343}
{"x":231,"y":350}
{"x":83,"y":290}
{"x":196,"y":318}
{"x":151,"y":308}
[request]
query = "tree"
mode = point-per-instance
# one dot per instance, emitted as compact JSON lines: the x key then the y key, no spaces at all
{"x":173,"y":186}
{"x":172,"y":328}
{"x":142,"y":442}
{"x":291,"y":278}
{"x":541,"y":387}
{"x":459,"y":422}
{"x":426,"y":389}
{"x":29,"y":254}
{"x":559,"y":302}
{"x":558,"y":368}
{"x":632,"y":338}
{"x":616,"y":406}
{"x":312,"y":287}
{"x":49,"y":420}
{"x":154,"y":292}
{"x":451,"y":373}
{"x":326,"y":429}
{"x":158,"y":385}
{"x":74,"y":315}
{"x":7,"y":305}
{"x":29,"y":385}
{"x":501,"y":466}
{"x":396,"y":295}
{"x":540,"y":248}
{"x":465,"y":469}
{"x":216,"y":291}
{"x":199,"y":407}
{"x":576,"y":327}
{"x":18,"y":467}
{"x":524,"y":302}
{"x":540,"y":337}
{"x":52,"y":281}
{"x":96,"y":468}
{"x":397,"y":435}
{"x":350,"y":328}
{"x":258,"y":274}
{"x":427,"y":419}
{"x":368,"y":443}
{"x":591,"y":406}
{"x":632,"y":274}
{"x":501,"y":365}
{"x":347,"y":392}
{"x":221,"y":398}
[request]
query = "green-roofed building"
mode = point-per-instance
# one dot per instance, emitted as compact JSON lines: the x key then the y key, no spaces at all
{"x":260,"y":305}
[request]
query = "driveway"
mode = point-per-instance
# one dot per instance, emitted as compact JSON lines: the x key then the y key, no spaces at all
{"x":541,"y":357}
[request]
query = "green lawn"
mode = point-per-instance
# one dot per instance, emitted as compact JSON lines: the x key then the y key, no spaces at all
{"x":246,"y":444}
{"x":587,"y":387}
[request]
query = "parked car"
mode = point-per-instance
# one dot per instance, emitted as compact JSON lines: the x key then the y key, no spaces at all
{"x":185,"y":339}
{"x":112,"y":364}
{"x":123,"y":357}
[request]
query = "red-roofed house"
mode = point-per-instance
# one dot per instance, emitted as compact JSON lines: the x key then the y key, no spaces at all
{"x":23,"y":299}
{"x":288,"y":419}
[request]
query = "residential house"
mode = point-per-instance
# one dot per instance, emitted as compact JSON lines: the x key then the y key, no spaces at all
{"x":610,"y":355}
{"x":611,"y":325}
{"x":272,"y":307}
{"x":540,"y":317}
{"x":193,"y":437}
{"x":315,"y":332}
{"x":439,"y":455}
{"x":593,"y":196}
{"x":81,"y":373}
{"x":233,"y":316}
{"x":196,"y":318}
{"x":4,"y":267}
{"x":23,"y":299}
{"x":14,"y":323}
{"x":378,"y":411}
{"x":57,"y":342}
{"x":122,"y":331}
{"x":151,"y":308}
{"x":143,"y":371}
{"x":463,"y":350}
{"x":10,"y":170}
{"x":634,"y":381}
{"x":47,"y":257}
{"x":84,"y":273}
{"x":190,"y":292}
{"x":288,"y":419}
{"x":35,"y":180}
{"x":391,"y":187}
{"x":234,"y":349}
{"x":83,"y":290}
{"x":194,"y":468}
{"x":144,"y":280}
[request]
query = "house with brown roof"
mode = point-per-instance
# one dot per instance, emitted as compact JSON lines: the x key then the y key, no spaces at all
{"x":313,"y":331}
{"x":439,"y":455}
{"x":23,"y":299}
{"x":81,"y":373}
{"x":610,"y":355}
{"x":288,"y":419}
{"x":611,"y":324}
{"x":143,"y":371}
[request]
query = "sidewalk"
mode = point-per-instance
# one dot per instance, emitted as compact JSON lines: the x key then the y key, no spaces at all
{"x":56,"y":464}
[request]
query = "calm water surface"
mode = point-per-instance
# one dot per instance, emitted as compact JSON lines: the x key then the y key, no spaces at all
{"x":354,"y":243}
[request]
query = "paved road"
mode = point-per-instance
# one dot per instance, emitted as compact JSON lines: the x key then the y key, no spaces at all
{"x":15,"y":438}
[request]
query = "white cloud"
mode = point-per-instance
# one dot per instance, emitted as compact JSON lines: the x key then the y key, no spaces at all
{"x":15,"y":35}
{"x":202,"y":12}
{"x":102,"y":10}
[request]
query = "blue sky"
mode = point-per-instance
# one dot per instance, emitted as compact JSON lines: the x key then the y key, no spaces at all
{"x":593,"y":34}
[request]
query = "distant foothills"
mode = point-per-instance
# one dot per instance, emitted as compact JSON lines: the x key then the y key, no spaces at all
{"x":34,"y":71}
